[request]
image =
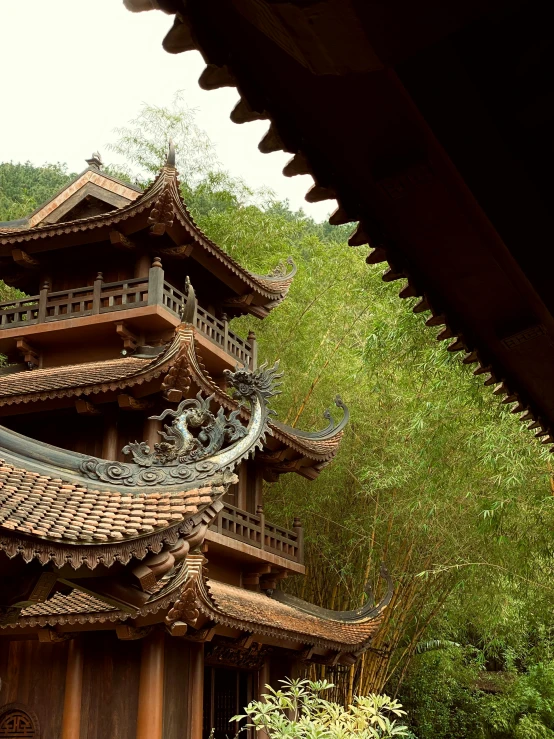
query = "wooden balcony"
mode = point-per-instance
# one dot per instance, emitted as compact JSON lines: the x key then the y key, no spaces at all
{"x":103,"y":298}
{"x":255,"y":532}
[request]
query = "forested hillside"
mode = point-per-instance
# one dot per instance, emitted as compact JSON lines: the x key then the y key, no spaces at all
{"x":434,"y":477}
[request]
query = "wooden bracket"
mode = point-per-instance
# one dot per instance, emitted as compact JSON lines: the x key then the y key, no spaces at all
{"x":307,"y":654}
{"x":25,"y":260}
{"x":30,"y":355}
{"x":146,"y":578}
{"x":245,"y":642}
{"x":203,"y":635}
{"x":251,"y":580}
{"x":130,"y":340}
{"x":86,"y":408}
{"x":173,"y":395}
{"x":177,"y":628}
{"x":179,"y":250}
{"x":43,"y":587}
{"x":50,"y":636}
{"x":269,"y":582}
{"x":126,"y":632}
{"x":121,"y":241}
{"x":128,"y":403}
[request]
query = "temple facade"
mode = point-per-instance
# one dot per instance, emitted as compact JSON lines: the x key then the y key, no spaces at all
{"x":139,"y":578}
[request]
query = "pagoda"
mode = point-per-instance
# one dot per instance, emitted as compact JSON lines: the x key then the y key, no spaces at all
{"x":139,"y":578}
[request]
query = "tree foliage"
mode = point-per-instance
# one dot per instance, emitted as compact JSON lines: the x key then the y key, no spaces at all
{"x":24,"y":187}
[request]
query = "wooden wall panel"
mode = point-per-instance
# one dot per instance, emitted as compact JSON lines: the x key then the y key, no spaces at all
{"x":33,"y":673}
{"x":176,"y":690}
{"x":110,"y":687}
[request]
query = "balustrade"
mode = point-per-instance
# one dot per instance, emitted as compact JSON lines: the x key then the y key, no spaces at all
{"x":108,"y":297}
{"x":253,"y":529}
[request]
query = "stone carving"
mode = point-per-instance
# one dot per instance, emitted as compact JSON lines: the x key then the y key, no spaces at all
{"x":198,"y":444}
{"x":180,"y":445}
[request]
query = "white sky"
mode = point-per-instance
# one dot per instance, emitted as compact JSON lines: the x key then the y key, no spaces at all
{"x":73,"y":70}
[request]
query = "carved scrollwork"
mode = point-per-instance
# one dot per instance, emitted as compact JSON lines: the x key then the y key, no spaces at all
{"x":197,"y":444}
{"x":180,"y":445}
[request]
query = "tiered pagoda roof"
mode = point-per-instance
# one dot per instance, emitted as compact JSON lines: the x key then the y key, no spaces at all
{"x":106,"y":540}
{"x":159,"y":211}
{"x":213,"y":602}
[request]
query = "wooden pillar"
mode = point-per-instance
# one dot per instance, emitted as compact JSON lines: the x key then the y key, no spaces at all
{"x":71,"y":723}
{"x":150,"y":432}
{"x":97,"y":293}
{"x":242,"y":486}
{"x":196,"y":689}
{"x":254,"y":345}
{"x":151,"y":688}
{"x":155,"y":283}
{"x":109,"y":440}
{"x":142,"y":265}
{"x":299,"y":529}
{"x":263,"y":680}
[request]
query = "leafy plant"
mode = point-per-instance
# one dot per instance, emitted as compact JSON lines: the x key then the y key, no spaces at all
{"x":298,"y":711}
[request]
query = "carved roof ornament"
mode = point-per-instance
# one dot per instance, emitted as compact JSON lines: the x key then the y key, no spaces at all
{"x":198,"y":444}
{"x":170,"y":161}
{"x":281,"y":271}
{"x":279,"y":615}
{"x":95,"y":160}
{"x":366,"y":612}
{"x":187,"y":312}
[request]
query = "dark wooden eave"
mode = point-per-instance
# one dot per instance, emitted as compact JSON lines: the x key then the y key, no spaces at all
{"x":432,"y":126}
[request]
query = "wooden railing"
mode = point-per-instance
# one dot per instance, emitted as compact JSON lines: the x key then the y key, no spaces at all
{"x":102,"y":297}
{"x":253,"y":529}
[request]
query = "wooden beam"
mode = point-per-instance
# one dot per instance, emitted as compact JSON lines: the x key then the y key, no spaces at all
{"x":86,"y":408}
{"x":126,"y":632}
{"x":151,"y":688}
{"x":130,"y":340}
{"x":179,"y":250}
{"x":178,"y":628}
{"x":71,"y":722}
{"x":25,"y":260}
{"x":128,"y":403}
{"x":51,"y":636}
{"x":30,"y":355}
{"x":121,"y":241}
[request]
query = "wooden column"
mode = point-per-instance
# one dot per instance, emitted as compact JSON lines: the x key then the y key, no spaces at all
{"x":109,"y":441}
{"x":254,"y":345}
{"x":155,"y":283}
{"x":263,"y":680}
{"x":242,"y":487}
{"x":150,"y":432}
{"x":71,"y":723}
{"x":142,"y":265}
{"x":97,"y":293}
{"x":151,"y":688}
{"x":196,"y":689}
{"x":42,"y":301}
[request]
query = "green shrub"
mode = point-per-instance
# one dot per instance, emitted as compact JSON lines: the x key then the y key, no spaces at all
{"x":298,"y":711}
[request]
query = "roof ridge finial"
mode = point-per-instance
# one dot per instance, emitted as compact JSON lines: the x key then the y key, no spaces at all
{"x":95,"y":160}
{"x":170,"y":161}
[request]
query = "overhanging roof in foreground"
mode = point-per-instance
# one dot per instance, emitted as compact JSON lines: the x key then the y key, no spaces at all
{"x":428,"y":122}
